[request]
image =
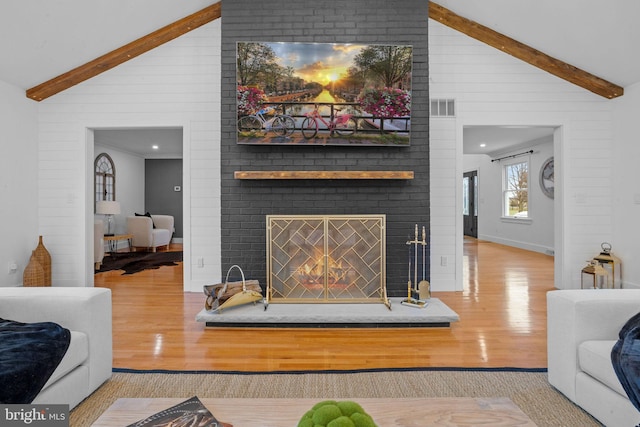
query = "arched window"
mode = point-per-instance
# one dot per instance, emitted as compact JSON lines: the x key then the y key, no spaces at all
{"x":105,"y":178}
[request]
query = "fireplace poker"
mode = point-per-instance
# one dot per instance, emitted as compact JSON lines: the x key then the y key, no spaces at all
{"x":409,"y":286}
{"x":424,"y":287}
{"x":415,"y":255}
{"x":409,"y":281}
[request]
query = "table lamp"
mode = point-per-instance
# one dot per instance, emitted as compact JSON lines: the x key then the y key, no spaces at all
{"x":108,"y":208}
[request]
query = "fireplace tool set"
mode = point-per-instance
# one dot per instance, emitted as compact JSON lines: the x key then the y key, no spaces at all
{"x":420,"y":289}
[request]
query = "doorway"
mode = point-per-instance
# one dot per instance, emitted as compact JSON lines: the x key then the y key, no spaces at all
{"x":470,"y":203}
{"x":482,"y":186}
{"x":137,"y":153}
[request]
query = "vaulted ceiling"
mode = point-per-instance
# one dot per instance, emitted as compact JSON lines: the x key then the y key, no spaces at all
{"x":41,"y":39}
{"x":595,"y":36}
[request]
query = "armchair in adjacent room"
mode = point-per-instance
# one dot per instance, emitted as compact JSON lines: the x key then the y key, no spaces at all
{"x":150,"y":232}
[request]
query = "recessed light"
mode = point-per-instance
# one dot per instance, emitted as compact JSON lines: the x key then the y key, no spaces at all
{"x":155,"y":147}
{"x":483,"y":145}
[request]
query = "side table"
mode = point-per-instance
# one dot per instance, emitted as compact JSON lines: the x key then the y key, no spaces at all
{"x":113,"y":241}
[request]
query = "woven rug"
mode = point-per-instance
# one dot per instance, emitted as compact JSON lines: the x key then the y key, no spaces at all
{"x":134,"y":262}
{"x":529,"y":390}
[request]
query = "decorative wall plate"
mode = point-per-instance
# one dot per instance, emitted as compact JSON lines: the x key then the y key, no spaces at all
{"x":547,"y":183}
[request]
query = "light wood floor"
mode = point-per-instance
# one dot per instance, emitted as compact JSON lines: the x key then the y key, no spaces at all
{"x":502,"y":324}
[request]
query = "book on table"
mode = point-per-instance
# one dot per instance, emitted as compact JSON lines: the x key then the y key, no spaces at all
{"x":191,"y":412}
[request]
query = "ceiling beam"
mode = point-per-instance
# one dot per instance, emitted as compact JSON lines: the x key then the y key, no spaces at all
{"x":124,"y":53}
{"x":444,"y":16}
{"x":525,"y":53}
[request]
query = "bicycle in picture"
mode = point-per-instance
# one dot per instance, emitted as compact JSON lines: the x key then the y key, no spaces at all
{"x":280,"y":124}
{"x":342,"y":124}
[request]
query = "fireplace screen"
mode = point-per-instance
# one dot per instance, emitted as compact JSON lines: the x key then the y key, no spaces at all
{"x":320,"y":259}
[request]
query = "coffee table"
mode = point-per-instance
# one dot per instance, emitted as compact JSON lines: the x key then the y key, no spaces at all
{"x":402,"y":412}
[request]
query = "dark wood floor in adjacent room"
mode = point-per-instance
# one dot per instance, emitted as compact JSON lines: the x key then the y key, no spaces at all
{"x":502,"y":324}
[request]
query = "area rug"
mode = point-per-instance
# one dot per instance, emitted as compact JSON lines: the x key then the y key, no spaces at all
{"x":528,"y":389}
{"x":134,"y":262}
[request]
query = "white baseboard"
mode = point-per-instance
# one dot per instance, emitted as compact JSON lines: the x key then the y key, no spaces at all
{"x":518,"y":244}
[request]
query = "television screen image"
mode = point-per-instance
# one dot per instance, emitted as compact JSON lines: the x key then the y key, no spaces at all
{"x":323,"y":94}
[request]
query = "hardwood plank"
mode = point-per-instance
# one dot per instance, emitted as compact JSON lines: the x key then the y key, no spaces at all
{"x":525,"y":53}
{"x":323,"y":174}
{"x":502,"y":324}
{"x":124,"y":53}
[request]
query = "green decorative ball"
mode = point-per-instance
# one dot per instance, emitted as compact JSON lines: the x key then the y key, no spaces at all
{"x":331,"y":413}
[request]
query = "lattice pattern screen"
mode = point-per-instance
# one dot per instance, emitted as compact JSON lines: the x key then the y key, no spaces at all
{"x":326,"y":258}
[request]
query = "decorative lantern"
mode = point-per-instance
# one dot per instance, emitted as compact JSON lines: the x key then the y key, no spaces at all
{"x":594,"y":276}
{"x":611,"y":263}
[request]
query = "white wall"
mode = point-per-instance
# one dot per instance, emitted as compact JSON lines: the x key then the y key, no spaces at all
{"x":626,"y":185}
{"x":130,"y":182}
{"x":178,"y":85}
{"x":493,"y":88}
{"x":175,"y":85}
{"x":535,"y":233}
{"x":18,"y":182}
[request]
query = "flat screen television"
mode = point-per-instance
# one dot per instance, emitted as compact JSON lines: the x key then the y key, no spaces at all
{"x":343,"y":94}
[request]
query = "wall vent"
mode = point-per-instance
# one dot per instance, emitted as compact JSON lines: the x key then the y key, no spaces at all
{"x":443,"y":107}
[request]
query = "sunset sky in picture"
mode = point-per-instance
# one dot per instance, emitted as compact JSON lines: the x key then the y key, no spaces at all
{"x":317,"y":62}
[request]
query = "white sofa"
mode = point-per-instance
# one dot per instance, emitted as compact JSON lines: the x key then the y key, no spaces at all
{"x":86,"y":312}
{"x":145,"y":235}
{"x":582,"y":327}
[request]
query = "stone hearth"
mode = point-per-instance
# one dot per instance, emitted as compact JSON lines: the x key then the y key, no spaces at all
{"x":435,"y":314}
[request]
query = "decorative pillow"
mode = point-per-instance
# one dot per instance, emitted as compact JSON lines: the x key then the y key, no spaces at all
{"x":29,"y":353}
{"x":625,"y":357}
{"x":147,"y":214}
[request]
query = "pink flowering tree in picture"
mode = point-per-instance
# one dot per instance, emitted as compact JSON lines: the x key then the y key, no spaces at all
{"x":250,"y":99}
{"x":386,"y":102}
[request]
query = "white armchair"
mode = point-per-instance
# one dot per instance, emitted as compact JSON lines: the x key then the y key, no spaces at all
{"x":145,"y":235}
{"x":98,"y":243}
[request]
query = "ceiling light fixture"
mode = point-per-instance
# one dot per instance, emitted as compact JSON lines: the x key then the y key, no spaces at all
{"x":483,"y":145}
{"x":155,"y":147}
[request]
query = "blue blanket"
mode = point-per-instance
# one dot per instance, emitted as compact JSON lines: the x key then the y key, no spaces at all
{"x":625,"y":357}
{"x":29,"y":353}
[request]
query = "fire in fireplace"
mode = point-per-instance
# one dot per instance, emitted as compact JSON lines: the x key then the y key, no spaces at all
{"x":312,"y":276}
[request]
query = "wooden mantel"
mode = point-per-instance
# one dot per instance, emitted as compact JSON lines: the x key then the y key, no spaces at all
{"x":323,"y":175}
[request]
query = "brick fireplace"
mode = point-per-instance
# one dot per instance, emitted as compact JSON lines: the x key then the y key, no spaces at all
{"x":246,"y":203}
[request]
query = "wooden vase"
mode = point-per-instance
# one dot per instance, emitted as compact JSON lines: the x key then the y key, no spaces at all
{"x":44,"y":258}
{"x":33,"y":273}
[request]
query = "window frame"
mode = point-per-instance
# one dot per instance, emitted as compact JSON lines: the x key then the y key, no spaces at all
{"x":104,"y":178}
{"x":505,"y":190}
